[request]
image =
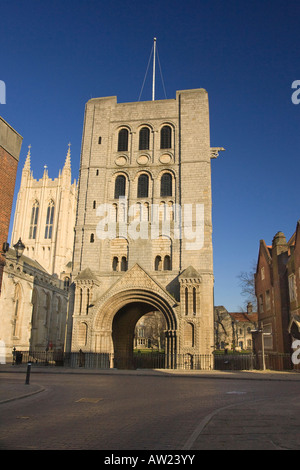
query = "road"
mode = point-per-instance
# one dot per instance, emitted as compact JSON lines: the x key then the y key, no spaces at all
{"x":128,"y":412}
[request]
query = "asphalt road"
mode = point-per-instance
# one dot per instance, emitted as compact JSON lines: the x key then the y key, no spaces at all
{"x":120,"y":412}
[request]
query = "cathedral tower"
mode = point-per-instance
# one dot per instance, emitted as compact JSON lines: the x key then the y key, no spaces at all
{"x":45,"y":217}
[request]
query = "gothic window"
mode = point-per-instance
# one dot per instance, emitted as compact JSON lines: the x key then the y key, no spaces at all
{"x":34,"y":220}
{"x":49,"y":220}
{"x":123,"y":140}
{"x":166,"y":137}
{"x":166,"y":185}
{"x":66,"y":282}
{"x":189,"y":335}
{"x":143,"y":185}
{"x":120,"y":186}
{"x":144,"y":139}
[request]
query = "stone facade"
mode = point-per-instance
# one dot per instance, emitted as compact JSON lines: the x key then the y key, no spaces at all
{"x":137,"y":248}
{"x":45,"y":217}
{"x":33,"y":307}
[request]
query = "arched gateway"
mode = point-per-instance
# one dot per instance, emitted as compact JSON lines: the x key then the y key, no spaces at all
{"x":143,"y":234}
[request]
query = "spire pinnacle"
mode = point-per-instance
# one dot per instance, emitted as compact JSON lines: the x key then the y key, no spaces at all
{"x":27,"y":161}
{"x":68,"y":157}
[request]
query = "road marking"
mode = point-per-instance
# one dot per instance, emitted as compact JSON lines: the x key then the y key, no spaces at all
{"x":89,"y":400}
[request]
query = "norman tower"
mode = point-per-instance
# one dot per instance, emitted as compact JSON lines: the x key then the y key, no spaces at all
{"x":45,"y":218}
{"x":143,"y":233}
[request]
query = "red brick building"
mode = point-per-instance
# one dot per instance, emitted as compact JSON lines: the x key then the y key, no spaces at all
{"x":277,"y":287}
{"x":10,"y":146}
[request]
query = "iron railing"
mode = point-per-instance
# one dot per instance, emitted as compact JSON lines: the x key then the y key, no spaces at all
{"x":156,"y":360}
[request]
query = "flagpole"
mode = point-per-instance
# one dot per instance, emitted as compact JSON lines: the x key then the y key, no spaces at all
{"x":153,"y":78}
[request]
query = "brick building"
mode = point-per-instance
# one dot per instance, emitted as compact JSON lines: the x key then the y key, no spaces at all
{"x":143,"y":163}
{"x":277,"y":288}
{"x":10,"y":146}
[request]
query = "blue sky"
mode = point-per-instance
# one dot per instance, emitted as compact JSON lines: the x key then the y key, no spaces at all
{"x":56,"y":55}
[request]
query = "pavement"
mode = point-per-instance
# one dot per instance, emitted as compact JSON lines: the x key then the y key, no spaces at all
{"x":11,"y":389}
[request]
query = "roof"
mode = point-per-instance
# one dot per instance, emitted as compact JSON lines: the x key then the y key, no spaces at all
{"x":189,"y":273}
{"x":244,"y":317}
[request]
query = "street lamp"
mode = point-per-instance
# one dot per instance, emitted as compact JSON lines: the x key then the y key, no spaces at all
{"x":263,"y":334}
{"x":19,"y":248}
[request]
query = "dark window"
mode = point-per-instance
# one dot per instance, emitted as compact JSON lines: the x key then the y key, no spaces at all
{"x":115,"y":263}
{"x":124,"y":264}
{"x":143,"y":183}
{"x":157,"y":264}
{"x":194,"y":301}
{"x":166,"y":137}
{"x":166,"y":185}
{"x":34,"y":220}
{"x":99,"y":141}
{"x":144,"y":139}
{"x":92,"y":238}
{"x":123,"y":140}
{"x":186,"y":294}
{"x":167,"y":263}
{"x":94,"y":204}
{"x":120,"y":185}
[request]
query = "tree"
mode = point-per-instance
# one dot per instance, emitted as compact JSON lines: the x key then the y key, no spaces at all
{"x":247,"y":284}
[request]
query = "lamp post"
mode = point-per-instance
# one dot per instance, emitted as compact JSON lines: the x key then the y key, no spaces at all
{"x":19,"y":248}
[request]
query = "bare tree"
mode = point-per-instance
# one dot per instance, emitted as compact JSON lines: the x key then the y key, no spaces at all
{"x":247,"y":284}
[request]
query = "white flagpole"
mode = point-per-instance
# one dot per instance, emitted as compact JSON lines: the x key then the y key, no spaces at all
{"x":153,"y":79}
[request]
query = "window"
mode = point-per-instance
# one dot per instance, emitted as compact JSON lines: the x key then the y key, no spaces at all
{"x":123,"y":140}
{"x":194,"y":301}
{"x":186,"y":295}
{"x":94,"y":204}
{"x":143,"y":184}
{"x":144,"y":139}
{"x":34,"y":220}
{"x":158,"y":263}
{"x":92,"y":238}
{"x":49,"y":220}
{"x":66,"y":282}
{"x":166,"y":137}
{"x":120,"y":186}
{"x":167,"y":263}
{"x":123,"y":264}
{"x":115,"y":263}
{"x":166,"y":185}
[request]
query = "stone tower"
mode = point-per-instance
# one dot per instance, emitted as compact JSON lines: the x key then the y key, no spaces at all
{"x":143,"y":233}
{"x":45,"y":218}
